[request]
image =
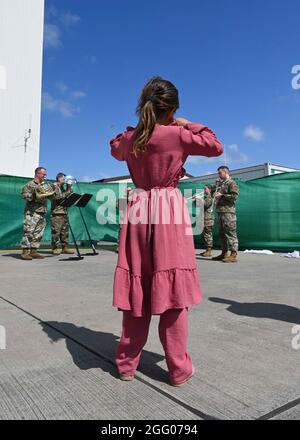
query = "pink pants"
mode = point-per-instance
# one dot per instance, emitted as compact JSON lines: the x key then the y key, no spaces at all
{"x":173,"y":332}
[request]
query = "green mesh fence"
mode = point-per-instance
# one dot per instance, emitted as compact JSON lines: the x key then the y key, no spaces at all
{"x":268,"y":212}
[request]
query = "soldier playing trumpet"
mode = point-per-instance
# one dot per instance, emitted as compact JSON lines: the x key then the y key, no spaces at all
{"x":208,"y":202}
{"x":59,"y":216}
{"x":207,"y":234}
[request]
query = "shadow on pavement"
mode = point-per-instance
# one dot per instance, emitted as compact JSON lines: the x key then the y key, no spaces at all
{"x":17,"y":256}
{"x":107,"y":247}
{"x":280,"y":312}
{"x":104,"y":344}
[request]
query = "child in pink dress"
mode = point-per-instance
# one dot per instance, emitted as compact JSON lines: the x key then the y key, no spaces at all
{"x":156,"y":272}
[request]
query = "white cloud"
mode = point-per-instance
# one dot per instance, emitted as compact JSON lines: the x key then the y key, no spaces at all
{"x":77,"y":94}
{"x":231,"y":155}
{"x":233,"y":147}
{"x":68,"y":19}
{"x":104,"y":175}
{"x":193,"y":160}
{"x":62,"y":106}
{"x":65,"y":90}
{"x":52,"y":30}
{"x":200,"y":160}
{"x":61,"y":86}
{"x":296,"y":97}
{"x":52,"y":36}
{"x":100,"y":175}
{"x":86,"y":179}
{"x":51,"y":10}
{"x":293,"y":97}
{"x":256,"y":134}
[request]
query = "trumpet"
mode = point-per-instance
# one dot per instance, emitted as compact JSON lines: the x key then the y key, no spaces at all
{"x":70,"y":180}
{"x":218,"y":187}
{"x":196,"y":196}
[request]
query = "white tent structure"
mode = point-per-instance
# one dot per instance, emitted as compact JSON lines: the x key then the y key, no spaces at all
{"x":21,"y":49}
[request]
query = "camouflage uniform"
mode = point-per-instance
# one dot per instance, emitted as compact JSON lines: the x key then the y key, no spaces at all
{"x":34,"y":215}
{"x":207,"y":233}
{"x":227,"y":215}
{"x":59,"y":218}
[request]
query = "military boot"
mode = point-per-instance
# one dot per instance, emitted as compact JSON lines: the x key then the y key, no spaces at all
{"x":220,"y":257}
{"x":207,"y":253}
{"x":55,"y":251}
{"x":35,"y":254}
{"x":25,"y":254}
{"x":232,"y":258}
{"x":66,"y":250}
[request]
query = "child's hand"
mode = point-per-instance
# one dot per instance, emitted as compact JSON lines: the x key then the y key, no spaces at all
{"x":182,"y":121}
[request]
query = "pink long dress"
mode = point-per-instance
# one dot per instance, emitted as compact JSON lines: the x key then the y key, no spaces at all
{"x":156,"y":268}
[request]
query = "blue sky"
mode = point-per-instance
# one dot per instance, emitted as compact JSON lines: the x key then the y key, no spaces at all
{"x":231,"y":60}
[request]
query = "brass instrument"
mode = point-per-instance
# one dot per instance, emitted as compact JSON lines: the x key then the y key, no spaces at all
{"x":218,"y":185}
{"x":70,"y":180}
{"x":196,"y":196}
{"x":44,"y":190}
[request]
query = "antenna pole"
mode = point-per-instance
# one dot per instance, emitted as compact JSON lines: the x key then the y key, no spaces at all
{"x":26,"y":139}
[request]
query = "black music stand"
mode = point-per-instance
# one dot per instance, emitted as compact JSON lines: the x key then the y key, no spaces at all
{"x":81,"y":203}
{"x":69,"y":201}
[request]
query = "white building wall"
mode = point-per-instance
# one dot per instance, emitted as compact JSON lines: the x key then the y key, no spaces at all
{"x":249,"y":173}
{"x":21,"y":48}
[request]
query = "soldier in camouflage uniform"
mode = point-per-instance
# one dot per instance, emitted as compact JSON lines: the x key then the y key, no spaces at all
{"x":59,"y":217}
{"x":36,"y":194}
{"x":226,"y":197}
{"x":207,"y":233}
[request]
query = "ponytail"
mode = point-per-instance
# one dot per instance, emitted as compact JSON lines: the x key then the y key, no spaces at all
{"x":144,"y":128}
{"x":158,"y":98}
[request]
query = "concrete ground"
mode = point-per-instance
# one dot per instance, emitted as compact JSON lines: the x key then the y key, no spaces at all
{"x":61,"y":335}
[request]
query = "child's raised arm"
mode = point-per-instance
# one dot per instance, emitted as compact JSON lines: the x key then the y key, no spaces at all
{"x":200,"y":140}
{"x":116,"y":147}
{"x":118,"y":144}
